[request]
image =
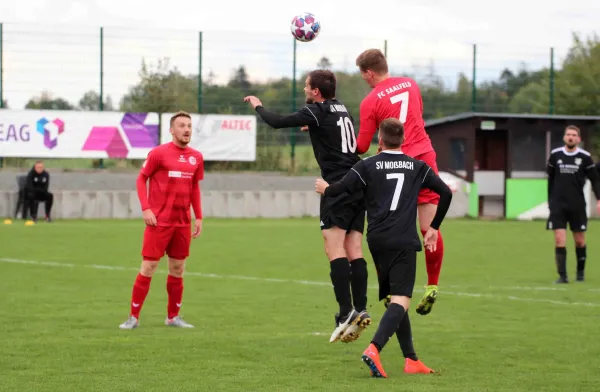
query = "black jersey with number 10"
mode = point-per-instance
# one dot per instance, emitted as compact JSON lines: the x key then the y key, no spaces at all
{"x":391,"y":182}
{"x":331,"y":131}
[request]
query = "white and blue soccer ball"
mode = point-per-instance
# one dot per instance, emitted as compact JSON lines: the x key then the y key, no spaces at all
{"x":305,"y":27}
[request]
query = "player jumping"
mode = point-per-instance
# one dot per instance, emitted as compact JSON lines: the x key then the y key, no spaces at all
{"x":400,"y":98}
{"x":567,"y":170}
{"x":174,"y":170}
{"x":392,"y":182}
{"x":331,"y":131}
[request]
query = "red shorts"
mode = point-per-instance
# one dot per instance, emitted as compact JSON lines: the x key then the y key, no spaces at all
{"x":427,"y":196}
{"x":174,"y":241}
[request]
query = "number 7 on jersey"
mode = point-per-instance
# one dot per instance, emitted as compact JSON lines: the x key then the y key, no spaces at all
{"x":399,"y":177}
{"x":403,"y":99}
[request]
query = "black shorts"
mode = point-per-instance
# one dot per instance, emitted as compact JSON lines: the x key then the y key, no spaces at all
{"x":346,"y":211}
{"x":575,"y":217}
{"x":396,"y":271}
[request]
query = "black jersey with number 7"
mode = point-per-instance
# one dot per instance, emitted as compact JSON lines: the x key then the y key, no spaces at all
{"x":391,"y":182}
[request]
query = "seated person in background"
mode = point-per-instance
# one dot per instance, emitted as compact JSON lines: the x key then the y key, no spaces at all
{"x":36,"y":190}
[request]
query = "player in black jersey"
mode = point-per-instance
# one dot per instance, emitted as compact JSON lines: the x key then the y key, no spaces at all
{"x":391,"y":182}
{"x":331,"y":131}
{"x":568,"y":167}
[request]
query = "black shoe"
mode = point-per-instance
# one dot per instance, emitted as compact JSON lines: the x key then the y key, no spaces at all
{"x":48,"y":219}
{"x":562,"y":280}
{"x":580,"y":276}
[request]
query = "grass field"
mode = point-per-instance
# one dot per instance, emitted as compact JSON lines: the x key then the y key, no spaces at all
{"x":258,"y":292}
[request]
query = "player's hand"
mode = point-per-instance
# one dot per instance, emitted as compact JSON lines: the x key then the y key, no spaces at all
{"x":598,"y":206}
{"x":304,"y":128}
{"x":197,"y":228}
{"x":321,"y":185}
{"x":430,"y":239}
{"x":149,"y":217}
{"x":252,"y":100}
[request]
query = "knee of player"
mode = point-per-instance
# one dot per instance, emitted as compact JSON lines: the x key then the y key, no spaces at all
{"x":149,"y":267}
{"x":580,"y":240}
{"x":354,"y":251}
{"x":176,"y":269}
{"x":401,"y":300}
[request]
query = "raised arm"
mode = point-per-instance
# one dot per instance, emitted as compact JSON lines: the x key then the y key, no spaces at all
{"x":300,"y":118}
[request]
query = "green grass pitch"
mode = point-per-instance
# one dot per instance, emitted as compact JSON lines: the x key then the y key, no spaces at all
{"x":258,"y":292}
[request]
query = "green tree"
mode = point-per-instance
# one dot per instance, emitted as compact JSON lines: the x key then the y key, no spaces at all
{"x":47,"y":102}
{"x":90,"y":101}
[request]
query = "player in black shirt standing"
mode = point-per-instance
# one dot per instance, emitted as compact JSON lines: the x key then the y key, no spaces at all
{"x":331,"y":131}
{"x":391,"y":182}
{"x":568,"y":167}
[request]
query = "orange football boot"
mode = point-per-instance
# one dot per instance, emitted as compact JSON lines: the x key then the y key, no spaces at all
{"x":416,"y":367}
{"x":371,"y":358}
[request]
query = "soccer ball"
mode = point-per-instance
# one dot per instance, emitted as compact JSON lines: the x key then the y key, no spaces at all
{"x":305,"y":27}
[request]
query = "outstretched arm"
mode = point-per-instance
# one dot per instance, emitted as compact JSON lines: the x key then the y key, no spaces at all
{"x":300,"y":118}
{"x":352,"y":181}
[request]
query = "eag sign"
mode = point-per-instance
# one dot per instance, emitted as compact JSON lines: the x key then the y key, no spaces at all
{"x":14,"y":132}
{"x":75,"y":134}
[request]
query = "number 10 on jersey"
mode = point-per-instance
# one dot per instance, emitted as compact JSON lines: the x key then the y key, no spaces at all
{"x":348,"y":136}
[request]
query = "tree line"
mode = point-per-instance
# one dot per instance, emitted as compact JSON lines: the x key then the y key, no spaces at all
{"x":162,"y":88}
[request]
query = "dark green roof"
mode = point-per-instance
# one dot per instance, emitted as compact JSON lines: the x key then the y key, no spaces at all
{"x":467,"y":115}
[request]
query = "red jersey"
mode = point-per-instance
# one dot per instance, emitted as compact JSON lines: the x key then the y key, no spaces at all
{"x":174,"y":173}
{"x":397,"y":98}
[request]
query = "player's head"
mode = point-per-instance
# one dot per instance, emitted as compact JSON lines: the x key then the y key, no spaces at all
{"x":181,"y":128}
{"x":373,"y":66}
{"x":38,"y":166}
{"x":391,"y":134}
{"x":572,"y":136}
{"x":320,"y":85}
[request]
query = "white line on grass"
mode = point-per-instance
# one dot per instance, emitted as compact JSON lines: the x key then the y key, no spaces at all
{"x":302,"y":282}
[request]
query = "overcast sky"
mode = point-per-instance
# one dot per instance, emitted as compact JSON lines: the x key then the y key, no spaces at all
{"x":54,"y":44}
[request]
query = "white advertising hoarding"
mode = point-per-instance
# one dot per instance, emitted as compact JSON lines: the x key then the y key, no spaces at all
{"x":219,"y":137}
{"x":77,"y":134}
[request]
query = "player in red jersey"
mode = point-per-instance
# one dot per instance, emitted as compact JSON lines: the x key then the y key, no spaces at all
{"x":400,"y":97}
{"x":174,"y":170}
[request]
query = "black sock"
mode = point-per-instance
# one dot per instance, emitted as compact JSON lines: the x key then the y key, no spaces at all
{"x":581,"y":256}
{"x":340,"y":277}
{"x":404,"y":335}
{"x":388,"y":325}
{"x":561,"y":261}
{"x":358,"y":281}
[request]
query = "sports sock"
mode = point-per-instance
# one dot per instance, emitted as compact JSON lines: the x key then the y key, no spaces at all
{"x":404,"y":335}
{"x":388,"y":325}
{"x":561,"y":260}
{"x":433,"y":260}
{"x":581,"y":257}
{"x":340,"y":277}
{"x":141,"y":286}
{"x":358,"y":281}
{"x":175,"y":293}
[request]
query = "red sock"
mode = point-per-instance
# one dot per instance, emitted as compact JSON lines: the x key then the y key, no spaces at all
{"x":175,"y":291}
{"x":140,"y":290}
{"x":433,"y":261}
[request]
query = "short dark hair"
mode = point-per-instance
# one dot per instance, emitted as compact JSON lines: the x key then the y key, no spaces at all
{"x":325,"y":81}
{"x":372,"y":60}
{"x":573,"y":128}
{"x":391,"y":132}
{"x":180,"y":113}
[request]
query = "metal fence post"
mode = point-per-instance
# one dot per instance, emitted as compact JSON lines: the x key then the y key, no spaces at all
{"x":474,"y":81}
{"x":551,"y":92}
{"x":200,"y":93}
{"x":293,"y":130}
